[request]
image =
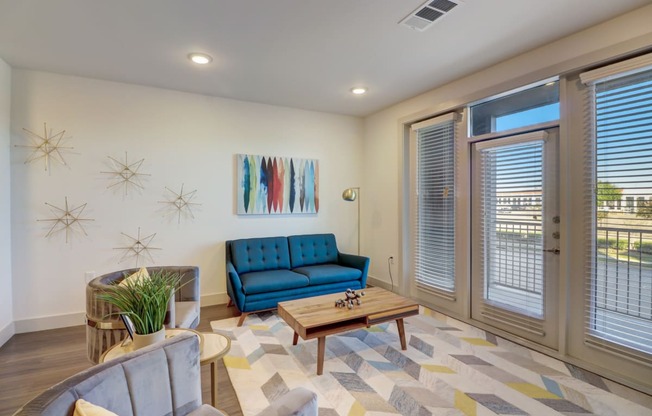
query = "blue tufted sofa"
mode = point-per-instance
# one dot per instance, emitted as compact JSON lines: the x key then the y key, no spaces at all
{"x":264,"y":271}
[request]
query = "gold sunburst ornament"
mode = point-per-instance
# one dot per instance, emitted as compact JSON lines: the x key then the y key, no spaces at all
{"x":67,"y":218}
{"x":47,"y":146}
{"x":127,"y":174}
{"x":181,"y":203}
{"x":140,"y":247}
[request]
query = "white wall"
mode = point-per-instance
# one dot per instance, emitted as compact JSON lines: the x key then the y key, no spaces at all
{"x":382,"y":155}
{"x":6,"y":304}
{"x":185,"y":139}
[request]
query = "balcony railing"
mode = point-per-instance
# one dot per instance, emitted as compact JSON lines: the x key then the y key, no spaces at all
{"x":623,"y":272}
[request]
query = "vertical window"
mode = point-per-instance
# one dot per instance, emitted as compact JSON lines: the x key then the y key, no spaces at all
{"x":434,"y":233}
{"x":619,"y":283}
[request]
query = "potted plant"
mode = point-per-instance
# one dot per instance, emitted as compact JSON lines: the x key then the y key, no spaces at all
{"x":144,"y":299}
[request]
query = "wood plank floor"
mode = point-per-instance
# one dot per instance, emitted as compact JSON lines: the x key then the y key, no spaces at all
{"x":32,"y":362}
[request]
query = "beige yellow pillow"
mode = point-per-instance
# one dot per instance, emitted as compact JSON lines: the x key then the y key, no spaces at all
{"x":84,"y":408}
{"x":136,"y":277}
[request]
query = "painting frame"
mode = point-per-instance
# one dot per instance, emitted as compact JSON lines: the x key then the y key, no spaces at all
{"x":276,"y":185}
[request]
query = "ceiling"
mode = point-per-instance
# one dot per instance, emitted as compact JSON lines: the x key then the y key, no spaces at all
{"x":298,"y":53}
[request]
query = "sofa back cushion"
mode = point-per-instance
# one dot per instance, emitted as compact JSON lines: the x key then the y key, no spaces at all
{"x":259,"y":254}
{"x":309,"y":249}
{"x":163,"y":379}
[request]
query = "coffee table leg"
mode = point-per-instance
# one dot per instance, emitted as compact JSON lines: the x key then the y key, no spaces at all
{"x":401,"y":333}
{"x":321,"y":348}
{"x":295,"y":339}
{"x":214,"y":383}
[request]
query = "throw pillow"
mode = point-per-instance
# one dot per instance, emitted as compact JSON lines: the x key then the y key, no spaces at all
{"x":136,"y":277}
{"x":84,"y":408}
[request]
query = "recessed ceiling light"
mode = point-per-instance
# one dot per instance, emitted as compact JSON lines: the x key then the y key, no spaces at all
{"x":358,"y":90}
{"x":200,"y":58}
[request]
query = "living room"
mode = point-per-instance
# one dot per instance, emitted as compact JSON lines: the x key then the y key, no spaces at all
{"x":189,"y":139}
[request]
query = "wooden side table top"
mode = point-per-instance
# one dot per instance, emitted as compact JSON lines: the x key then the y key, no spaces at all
{"x":317,"y":316}
{"x":212,"y":346}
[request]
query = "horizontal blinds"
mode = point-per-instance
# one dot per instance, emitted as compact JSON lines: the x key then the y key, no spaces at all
{"x":511,"y":227}
{"x":619,"y":237}
{"x":434,"y":255}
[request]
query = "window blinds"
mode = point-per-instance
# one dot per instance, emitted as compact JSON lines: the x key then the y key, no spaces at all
{"x":619,"y":235}
{"x":434,"y":233}
{"x":511,"y":230}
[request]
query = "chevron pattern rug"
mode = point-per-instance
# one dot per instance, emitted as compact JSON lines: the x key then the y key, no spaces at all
{"x":449,"y":368}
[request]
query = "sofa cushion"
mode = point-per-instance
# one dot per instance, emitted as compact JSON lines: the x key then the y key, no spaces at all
{"x":310,"y":249}
{"x":272,"y":281}
{"x":185,"y":313}
{"x":258,"y":254}
{"x":328,"y":273}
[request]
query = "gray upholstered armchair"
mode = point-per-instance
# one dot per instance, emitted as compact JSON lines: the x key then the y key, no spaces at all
{"x":162,"y":379}
{"x":104,"y":327}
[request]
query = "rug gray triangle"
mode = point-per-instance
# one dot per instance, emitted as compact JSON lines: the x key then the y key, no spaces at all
{"x":449,"y":368}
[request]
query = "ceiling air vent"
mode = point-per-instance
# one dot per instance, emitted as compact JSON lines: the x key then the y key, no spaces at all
{"x":428,"y":13}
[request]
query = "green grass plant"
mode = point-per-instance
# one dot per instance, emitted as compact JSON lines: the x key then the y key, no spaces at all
{"x":144,"y":301}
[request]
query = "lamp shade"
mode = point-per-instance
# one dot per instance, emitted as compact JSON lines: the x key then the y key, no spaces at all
{"x":349,"y":194}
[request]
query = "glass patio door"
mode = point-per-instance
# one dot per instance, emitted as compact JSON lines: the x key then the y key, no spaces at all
{"x":515,"y":235}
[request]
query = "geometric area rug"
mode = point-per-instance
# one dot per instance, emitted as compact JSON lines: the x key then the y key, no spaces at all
{"x":449,"y":368}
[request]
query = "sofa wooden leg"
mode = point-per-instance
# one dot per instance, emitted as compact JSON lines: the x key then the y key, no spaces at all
{"x":242,"y":318}
{"x":230,"y":303}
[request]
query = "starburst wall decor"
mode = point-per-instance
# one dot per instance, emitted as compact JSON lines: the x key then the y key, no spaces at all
{"x":47,"y":146}
{"x":67,"y":218}
{"x":127,"y":174}
{"x":139,"y":247}
{"x":180,"y":203}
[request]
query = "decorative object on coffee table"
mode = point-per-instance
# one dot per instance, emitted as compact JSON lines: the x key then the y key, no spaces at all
{"x":144,"y":298}
{"x":351,"y":299}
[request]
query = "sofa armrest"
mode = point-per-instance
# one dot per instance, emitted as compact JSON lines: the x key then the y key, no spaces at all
{"x":234,"y":286}
{"x":298,"y":401}
{"x":357,"y":262}
{"x":189,"y":285}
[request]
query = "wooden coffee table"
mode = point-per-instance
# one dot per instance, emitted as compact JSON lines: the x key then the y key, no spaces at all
{"x":317,"y":317}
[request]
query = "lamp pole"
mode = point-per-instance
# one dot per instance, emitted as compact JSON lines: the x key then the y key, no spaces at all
{"x":350,"y":195}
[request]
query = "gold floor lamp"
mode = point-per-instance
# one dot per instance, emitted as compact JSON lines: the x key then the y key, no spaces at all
{"x":350,"y":195}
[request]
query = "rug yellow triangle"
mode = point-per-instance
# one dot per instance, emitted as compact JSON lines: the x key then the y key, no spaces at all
{"x":259,"y":327}
{"x":438,"y":368}
{"x":236,"y":362}
{"x":466,"y":404}
{"x":357,"y":409}
{"x":479,"y":341}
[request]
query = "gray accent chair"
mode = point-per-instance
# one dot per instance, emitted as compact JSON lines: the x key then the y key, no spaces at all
{"x":104,"y":328}
{"x":162,"y":379}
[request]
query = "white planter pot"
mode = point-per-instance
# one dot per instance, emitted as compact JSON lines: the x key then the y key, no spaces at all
{"x":141,"y":341}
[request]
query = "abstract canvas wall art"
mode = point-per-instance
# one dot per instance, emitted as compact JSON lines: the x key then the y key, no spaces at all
{"x":277,"y":185}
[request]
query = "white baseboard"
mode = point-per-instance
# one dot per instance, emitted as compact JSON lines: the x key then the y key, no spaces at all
{"x":74,"y":319}
{"x":379,"y":283}
{"x":214,"y":299}
{"x":49,"y":322}
{"x":6,"y":333}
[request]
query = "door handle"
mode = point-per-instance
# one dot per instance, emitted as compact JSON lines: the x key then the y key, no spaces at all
{"x":552,"y":250}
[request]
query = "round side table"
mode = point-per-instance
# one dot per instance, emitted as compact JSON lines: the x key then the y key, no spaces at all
{"x":212,"y":346}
